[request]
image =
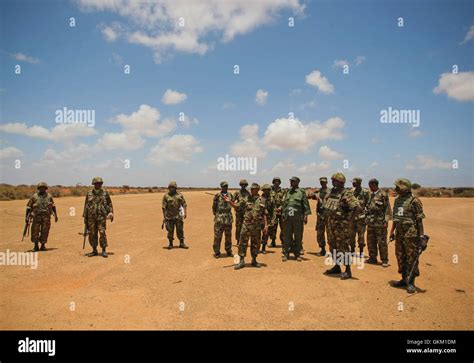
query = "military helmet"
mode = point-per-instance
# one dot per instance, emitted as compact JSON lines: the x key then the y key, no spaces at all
{"x":243,"y":182}
{"x":266,"y":187}
{"x":275,"y":179}
{"x":97,"y":179}
{"x":295,"y":178}
{"x":403,"y":184}
{"x":42,"y":185}
{"x":374,"y":181}
{"x":339,"y":177}
{"x":255,"y":186}
{"x":357,"y":180}
{"x":323,"y":179}
{"x":224,"y":184}
{"x":172,"y":184}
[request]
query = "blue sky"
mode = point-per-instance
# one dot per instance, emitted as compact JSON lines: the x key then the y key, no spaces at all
{"x":337,"y":115}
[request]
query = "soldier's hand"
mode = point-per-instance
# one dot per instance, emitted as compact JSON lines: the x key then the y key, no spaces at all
{"x":392,"y":237}
{"x":226,"y":198}
{"x":305,"y":219}
{"x":184,"y":215}
{"x":385,"y":225}
{"x":111,"y":217}
{"x":55,"y":219}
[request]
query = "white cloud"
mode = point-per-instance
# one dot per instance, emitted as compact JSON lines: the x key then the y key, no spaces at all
{"x":25,"y":58}
{"x":177,"y":148}
{"x":414,"y":133}
{"x":250,"y":144}
{"x":60,"y":133}
{"x":426,"y":162}
{"x":155,"y":24}
{"x":188,"y":121}
{"x":121,"y":140}
{"x":111,"y":32}
{"x":316,"y":79}
{"x":171,"y":97}
{"x":10,"y":152}
{"x":314,"y":167}
{"x":286,"y":134}
{"x":340,"y":63}
{"x":71,"y":154}
{"x":326,"y":153}
{"x":359,"y":60}
{"x":261,"y":97}
{"x":469,"y":36}
{"x":458,"y":86}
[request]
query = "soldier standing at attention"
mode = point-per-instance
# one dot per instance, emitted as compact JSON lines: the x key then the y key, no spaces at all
{"x":295,"y":215}
{"x":239,"y":213}
{"x":174,"y":213}
{"x":358,"y":225}
{"x":255,"y":214}
{"x":97,"y":209}
{"x":320,"y":217}
{"x":278,"y":195}
{"x":341,"y":207}
{"x":377,"y":215}
{"x":222,"y":221}
{"x":408,"y":228}
{"x":269,"y":201}
{"x":39,"y":209}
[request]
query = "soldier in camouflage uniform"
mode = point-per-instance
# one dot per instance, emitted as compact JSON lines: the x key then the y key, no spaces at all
{"x":341,"y":207}
{"x":295,"y":209}
{"x":255,"y":214}
{"x":174,"y":213}
{"x":223,"y":219}
{"x":407,"y":228}
{"x":39,"y":210}
{"x":269,"y":201}
{"x":377,"y":214}
{"x":321,"y":196}
{"x":97,"y":209}
{"x":278,"y":195}
{"x":239,"y":213}
{"x":358,"y":225}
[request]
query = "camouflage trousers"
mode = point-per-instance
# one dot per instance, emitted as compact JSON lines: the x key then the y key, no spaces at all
{"x":357,"y":228}
{"x":96,"y":228}
{"x":171,"y":225}
{"x":40,"y":226}
{"x":239,"y":221}
{"x":320,"y":231}
{"x":377,"y":239}
{"x":254,"y":233}
{"x":338,"y":235}
{"x":219,"y":230}
{"x":272,"y":230}
{"x":293,"y":236}
{"x":406,"y":248}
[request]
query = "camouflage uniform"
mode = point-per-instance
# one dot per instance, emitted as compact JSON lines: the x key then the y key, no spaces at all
{"x":278,"y":196}
{"x":97,"y":207}
{"x":172,"y":204}
{"x":378,"y":212}
{"x":39,"y":209}
{"x":269,"y":203}
{"x":239,"y":213}
{"x":223,"y":219}
{"x":295,"y":207}
{"x":358,"y":225}
{"x":254,"y":212}
{"x":321,"y":227}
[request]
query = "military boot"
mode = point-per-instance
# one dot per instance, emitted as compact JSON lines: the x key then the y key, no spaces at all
{"x":94,"y":252}
{"x":104,"y":253}
{"x":284,"y":258}
{"x":322,"y":252}
{"x":182,"y":245}
{"x":36,"y":248}
{"x":361,"y":251}
{"x":170,"y":245}
{"x":241,"y":264}
{"x":401,"y":283}
{"x":43,"y":248}
{"x":255,"y":263}
{"x":273,"y":244}
{"x":264,"y":245}
{"x":346,"y":274}
{"x":333,"y":271}
{"x":411,"y":286}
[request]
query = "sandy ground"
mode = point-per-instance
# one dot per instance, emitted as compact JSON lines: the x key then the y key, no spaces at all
{"x":142,"y":285}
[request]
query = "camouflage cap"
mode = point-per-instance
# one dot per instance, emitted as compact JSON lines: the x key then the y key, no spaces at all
{"x":224,"y":184}
{"x":42,"y":185}
{"x":266,"y":187}
{"x":255,"y":186}
{"x":323,"y":179}
{"x":403,"y":184}
{"x":374,"y":181}
{"x":243,"y":182}
{"x":295,"y":178}
{"x":275,"y":179}
{"x":339,"y":177}
{"x":172,"y":184}
{"x":97,"y":179}
{"x":357,"y":180}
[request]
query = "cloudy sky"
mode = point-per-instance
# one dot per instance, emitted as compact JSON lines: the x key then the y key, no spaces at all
{"x":161,"y":79}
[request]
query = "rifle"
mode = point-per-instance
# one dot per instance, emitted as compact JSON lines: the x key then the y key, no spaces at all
{"x":209,"y":193}
{"x":26,"y":230}
{"x":85,"y":233}
{"x":423,"y":244}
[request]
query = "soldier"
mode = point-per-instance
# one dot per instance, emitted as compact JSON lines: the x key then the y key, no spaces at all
{"x":222,"y":221}
{"x":278,"y":195}
{"x":239,"y":213}
{"x":295,"y":215}
{"x":341,"y":208}
{"x":269,"y":201}
{"x":97,"y":209}
{"x":408,"y":227}
{"x":174,"y":213}
{"x":358,"y":225}
{"x":377,"y":214}
{"x":39,"y":210}
{"x":321,"y":220}
{"x":255,"y":214}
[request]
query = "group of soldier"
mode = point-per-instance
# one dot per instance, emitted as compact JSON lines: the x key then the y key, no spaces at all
{"x":344,"y":215}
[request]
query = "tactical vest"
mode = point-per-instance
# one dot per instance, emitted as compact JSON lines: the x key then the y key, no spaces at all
{"x":254,"y":210}
{"x":403,"y":209}
{"x":97,"y":204}
{"x":332,"y":204}
{"x":42,"y":204}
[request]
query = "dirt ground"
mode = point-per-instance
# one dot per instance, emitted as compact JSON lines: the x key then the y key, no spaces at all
{"x":143,"y":285}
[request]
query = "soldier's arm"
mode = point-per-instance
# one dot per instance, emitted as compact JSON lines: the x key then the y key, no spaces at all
{"x":163,"y":206}
{"x":84,"y":212}
{"x":185,"y":206}
{"x":419,"y":215}
{"x":214,"y":204}
{"x":53,"y":208}
{"x":109,"y":202}
{"x":306,"y":207}
{"x":388,"y":210}
{"x":29,"y":207}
